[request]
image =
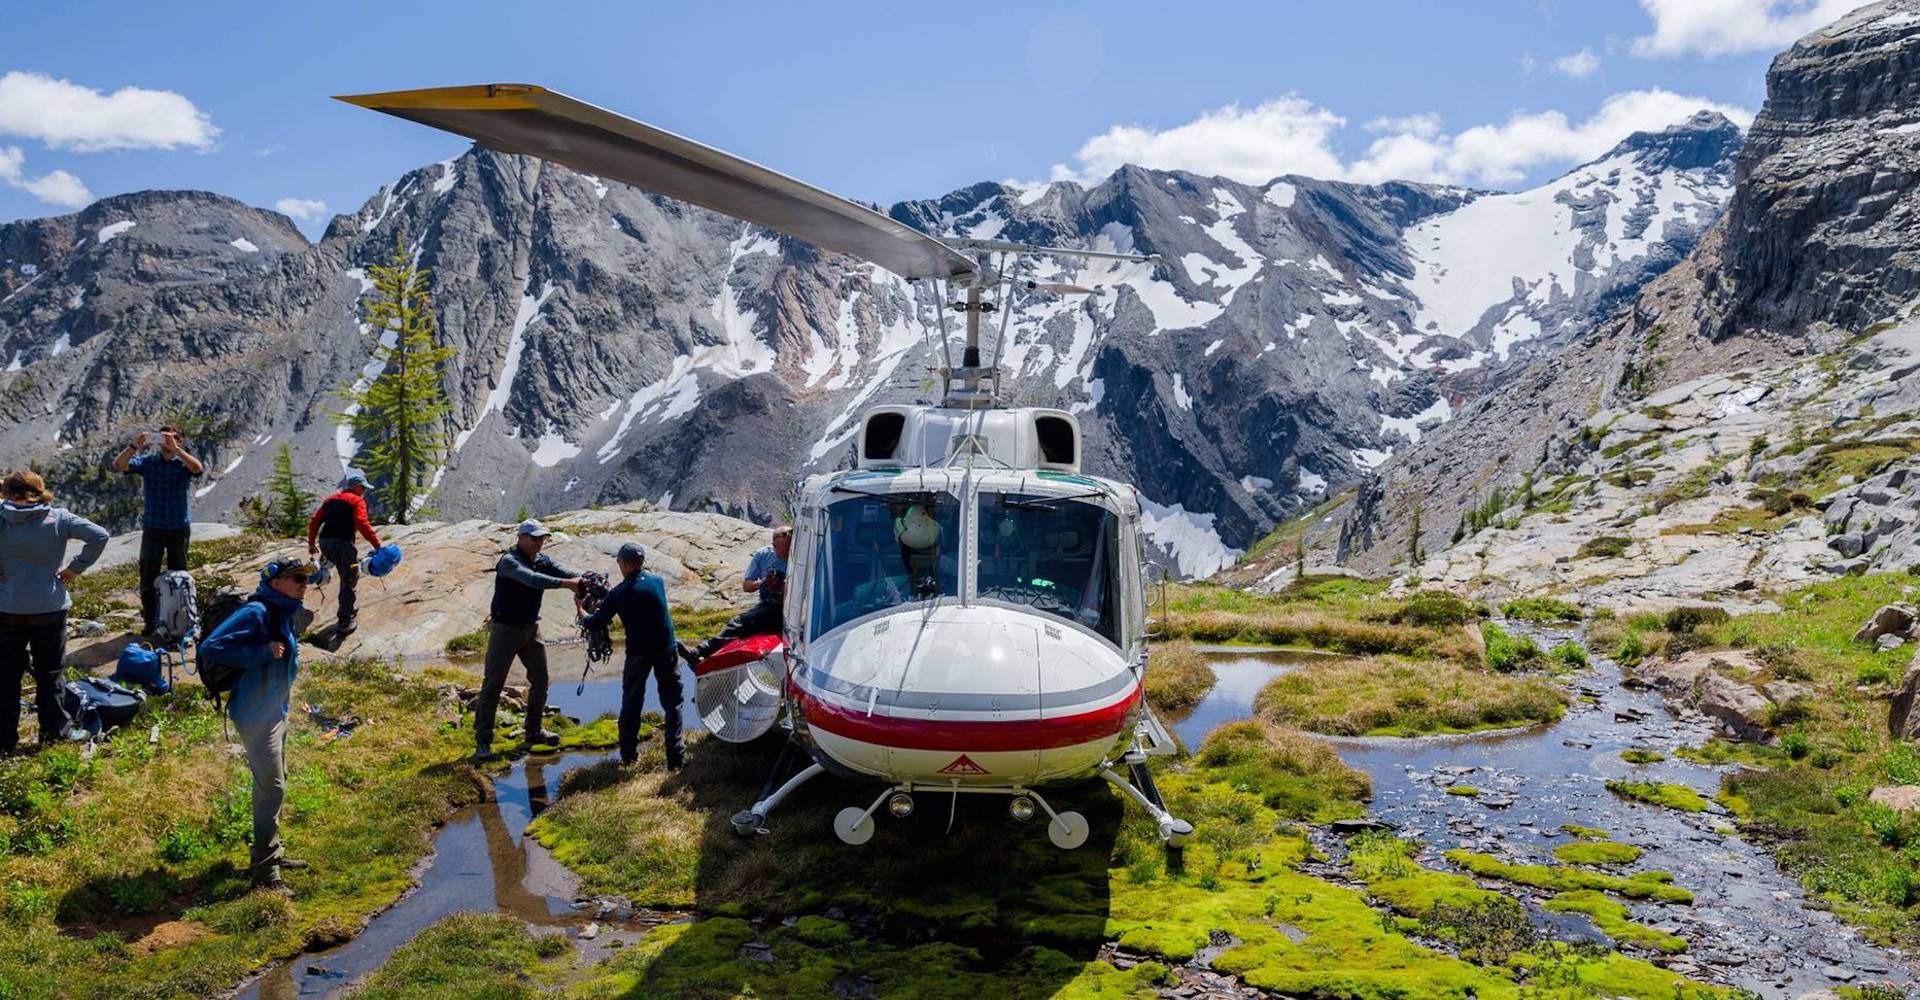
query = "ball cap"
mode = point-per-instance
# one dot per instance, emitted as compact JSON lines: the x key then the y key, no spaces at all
{"x":353,"y":479}
{"x":532,"y":529}
{"x":631,"y":552}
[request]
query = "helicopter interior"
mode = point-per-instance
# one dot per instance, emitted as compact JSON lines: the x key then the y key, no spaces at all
{"x":1055,"y":555}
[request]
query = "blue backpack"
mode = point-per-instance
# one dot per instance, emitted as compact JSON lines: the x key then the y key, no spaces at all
{"x":142,"y":665}
{"x":382,"y":560}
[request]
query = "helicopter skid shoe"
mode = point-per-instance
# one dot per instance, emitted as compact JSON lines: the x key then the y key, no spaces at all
{"x":854,"y":825}
{"x":1172,"y":830}
{"x":1067,"y":830}
{"x":753,"y":820}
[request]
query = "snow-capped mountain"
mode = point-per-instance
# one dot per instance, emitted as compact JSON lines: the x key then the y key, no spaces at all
{"x":613,"y":345}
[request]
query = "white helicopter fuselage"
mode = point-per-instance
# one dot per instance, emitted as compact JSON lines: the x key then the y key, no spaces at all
{"x":1007,"y":651}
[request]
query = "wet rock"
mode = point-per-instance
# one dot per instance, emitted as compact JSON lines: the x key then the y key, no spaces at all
{"x":1889,"y":642}
{"x":757,"y":951}
{"x":1893,"y":619}
{"x":1349,"y":827}
{"x":589,"y":932}
{"x":1837,"y":973}
{"x":1901,"y":798}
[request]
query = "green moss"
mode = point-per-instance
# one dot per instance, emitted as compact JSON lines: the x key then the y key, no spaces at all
{"x":1463,"y":790}
{"x":1596,"y":853}
{"x":1668,"y":795}
{"x":1616,"y":921}
{"x":491,"y":956}
{"x":1585,"y":832}
{"x":1639,"y":885}
{"x":468,"y":645}
{"x":1642,"y":756}
{"x":1718,"y":751}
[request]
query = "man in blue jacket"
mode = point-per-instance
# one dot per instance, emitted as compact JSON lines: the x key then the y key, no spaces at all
{"x":259,"y":639}
{"x":640,"y":601}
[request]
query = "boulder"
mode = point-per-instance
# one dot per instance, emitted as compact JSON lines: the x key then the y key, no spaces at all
{"x":1903,"y":722}
{"x":1889,"y":641}
{"x":1734,"y":704}
{"x":1893,"y":619}
{"x":1848,"y":544}
{"x":1900,"y":798}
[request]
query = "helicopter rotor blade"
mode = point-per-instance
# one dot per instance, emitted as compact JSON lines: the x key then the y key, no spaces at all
{"x":1061,"y":288}
{"x":523,"y":118}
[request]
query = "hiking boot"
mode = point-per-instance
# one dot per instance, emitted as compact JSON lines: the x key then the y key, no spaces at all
{"x":346,"y":627}
{"x":544,"y":736}
{"x":483,"y":756}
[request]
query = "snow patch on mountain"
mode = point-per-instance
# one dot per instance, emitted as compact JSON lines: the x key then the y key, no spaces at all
{"x":1189,"y":539}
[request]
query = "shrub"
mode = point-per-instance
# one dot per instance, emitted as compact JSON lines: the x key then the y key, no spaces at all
{"x":1542,"y":609}
{"x":1685,"y":619}
{"x":1571,"y":654}
{"x":1631,"y":650}
{"x":1505,"y":652}
{"x":1603,"y":547}
{"x":1796,"y":744}
{"x":1435,"y":609}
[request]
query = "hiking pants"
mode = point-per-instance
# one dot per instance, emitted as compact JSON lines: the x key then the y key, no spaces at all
{"x":266,"y":744}
{"x":504,"y":643}
{"x":633,"y":695}
{"x":156,"y":543}
{"x":37,"y":643}
{"x":346,"y":564}
{"x":764,"y":618}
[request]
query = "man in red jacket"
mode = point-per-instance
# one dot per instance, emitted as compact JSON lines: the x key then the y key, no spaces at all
{"x":335,"y":522}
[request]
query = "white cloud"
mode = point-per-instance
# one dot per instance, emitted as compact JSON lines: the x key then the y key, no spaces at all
{"x":1291,"y":135}
{"x":304,"y":209}
{"x":66,"y":115}
{"x":55,"y":188}
{"x":1577,"y":66}
{"x":1725,"y":27}
{"x":1287,"y":135}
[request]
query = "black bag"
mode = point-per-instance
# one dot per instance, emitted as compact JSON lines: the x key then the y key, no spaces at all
{"x":219,"y":678}
{"x":95,"y":705}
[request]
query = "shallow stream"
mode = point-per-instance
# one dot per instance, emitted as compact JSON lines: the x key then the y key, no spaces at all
{"x":1748,"y":925}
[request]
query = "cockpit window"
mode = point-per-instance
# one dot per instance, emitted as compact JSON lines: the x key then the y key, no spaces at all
{"x":1058,"y":555}
{"x":882,"y":550}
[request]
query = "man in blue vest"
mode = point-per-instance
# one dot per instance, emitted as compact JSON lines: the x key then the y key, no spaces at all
{"x":514,"y":633}
{"x":640,"y":602}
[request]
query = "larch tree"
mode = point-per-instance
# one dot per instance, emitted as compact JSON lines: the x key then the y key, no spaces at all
{"x":287,"y":505}
{"x":399,"y":416}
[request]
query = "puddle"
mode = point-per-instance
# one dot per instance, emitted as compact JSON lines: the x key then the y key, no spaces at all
{"x":482,"y":863}
{"x":1239,"y":674}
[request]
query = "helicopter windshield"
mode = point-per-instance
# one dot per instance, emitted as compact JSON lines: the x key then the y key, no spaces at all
{"x":882,"y":550}
{"x":1057,"y":555}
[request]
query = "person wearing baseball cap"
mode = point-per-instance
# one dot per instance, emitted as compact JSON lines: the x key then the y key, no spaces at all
{"x":330,"y":534}
{"x":259,"y":638}
{"x":639,"y":600}
{"x":513,"y":633}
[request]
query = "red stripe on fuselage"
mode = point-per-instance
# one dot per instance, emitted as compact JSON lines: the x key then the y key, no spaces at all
{"x":984,"y":736}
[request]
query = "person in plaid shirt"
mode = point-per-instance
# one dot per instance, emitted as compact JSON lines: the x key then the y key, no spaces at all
{"x":165,"y":522}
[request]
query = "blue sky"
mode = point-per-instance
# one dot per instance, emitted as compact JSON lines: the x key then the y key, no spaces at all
{"x":874,"y":101}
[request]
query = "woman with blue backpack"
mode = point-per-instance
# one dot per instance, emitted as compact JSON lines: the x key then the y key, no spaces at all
{"x":34,"y":600}
{"x":256,"y":653}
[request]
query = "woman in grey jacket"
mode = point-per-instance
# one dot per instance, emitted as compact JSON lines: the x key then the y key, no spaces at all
{"x":33,"y":599}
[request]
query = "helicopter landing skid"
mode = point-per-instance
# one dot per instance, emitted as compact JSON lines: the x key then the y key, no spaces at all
{"x":1143,"y":792}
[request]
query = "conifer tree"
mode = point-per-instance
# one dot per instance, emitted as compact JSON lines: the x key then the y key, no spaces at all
{"x":1415,"y":554}
{"x":287,"y":504}
{"x":399,"y":417}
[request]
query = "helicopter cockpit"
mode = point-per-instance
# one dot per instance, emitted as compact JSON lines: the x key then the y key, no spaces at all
{"x":1027,"y":549}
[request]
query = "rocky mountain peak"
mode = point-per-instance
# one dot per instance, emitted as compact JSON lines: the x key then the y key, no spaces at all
{"x":1707,"y":140}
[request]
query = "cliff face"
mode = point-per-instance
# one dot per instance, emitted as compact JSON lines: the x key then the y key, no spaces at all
{"x":1822,"y":224}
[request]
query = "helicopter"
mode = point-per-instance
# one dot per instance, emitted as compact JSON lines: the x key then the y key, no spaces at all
{"x":966,"y":608}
